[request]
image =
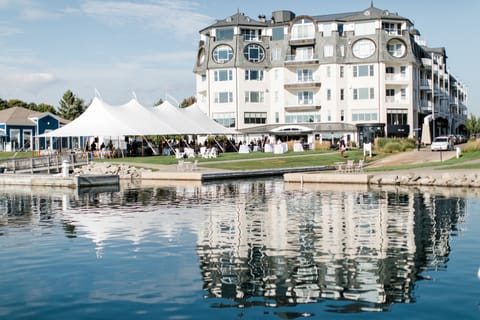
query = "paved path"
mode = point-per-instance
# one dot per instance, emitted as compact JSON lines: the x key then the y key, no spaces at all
{"x":413,"y":157}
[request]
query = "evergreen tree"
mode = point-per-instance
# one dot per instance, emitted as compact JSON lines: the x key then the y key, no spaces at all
{"x":188,"y":102}
{"x":71,"y":106}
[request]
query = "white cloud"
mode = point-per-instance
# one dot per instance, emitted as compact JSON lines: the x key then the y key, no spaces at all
{"x":178,"y":17}
{"x":31,"y":81}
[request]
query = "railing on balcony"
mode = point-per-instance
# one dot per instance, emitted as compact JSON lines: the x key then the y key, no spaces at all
{"x":395,"y":100}
{"x":302,"y":58}
{"x":310,"y":83}
{"x":396,"y":76}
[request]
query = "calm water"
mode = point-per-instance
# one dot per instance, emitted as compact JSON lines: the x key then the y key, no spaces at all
{"x":243,"y":250}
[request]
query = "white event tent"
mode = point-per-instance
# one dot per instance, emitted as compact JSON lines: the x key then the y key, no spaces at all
{"x":134,"y":119}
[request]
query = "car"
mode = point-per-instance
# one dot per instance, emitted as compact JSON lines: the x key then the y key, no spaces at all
{"x":441,"y":143}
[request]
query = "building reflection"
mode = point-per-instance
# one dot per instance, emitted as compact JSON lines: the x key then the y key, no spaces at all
{"x":266,"y":243}
{"x":367,"y":248}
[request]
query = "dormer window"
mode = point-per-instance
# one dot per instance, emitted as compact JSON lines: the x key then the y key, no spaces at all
{"x":224,"y":34}
{"x":394,"y":29}
{"x":251,"y":34}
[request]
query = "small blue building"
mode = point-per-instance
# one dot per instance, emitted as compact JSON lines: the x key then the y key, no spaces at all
{"x":20,"y":128}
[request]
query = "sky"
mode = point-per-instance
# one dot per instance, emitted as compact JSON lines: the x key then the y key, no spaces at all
{"x":147,"y":48}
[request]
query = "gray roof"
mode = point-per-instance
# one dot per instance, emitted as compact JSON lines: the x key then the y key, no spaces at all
{"x":238,"y":19}
{"x":23,"y":117}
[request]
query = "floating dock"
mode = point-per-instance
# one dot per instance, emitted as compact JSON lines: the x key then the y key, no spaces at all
{"x":80,"y":181}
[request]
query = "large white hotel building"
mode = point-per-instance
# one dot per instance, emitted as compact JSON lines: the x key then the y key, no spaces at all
{"x":362,"y":74}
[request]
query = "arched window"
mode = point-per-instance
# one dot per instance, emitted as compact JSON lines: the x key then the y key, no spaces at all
{"x":303,"y":29}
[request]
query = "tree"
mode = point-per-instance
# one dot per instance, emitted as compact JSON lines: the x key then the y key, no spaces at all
{"x":473,"y":125}
{"x":188,"y":102}
{"x":42,"y":107}
{"x":71,"y":106}
{"x":159,"y":102}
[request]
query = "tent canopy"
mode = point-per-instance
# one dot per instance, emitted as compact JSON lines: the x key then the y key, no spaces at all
{"x":134,"y":119}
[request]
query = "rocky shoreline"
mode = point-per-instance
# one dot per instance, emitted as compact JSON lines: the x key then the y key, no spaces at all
{"x":419,"y":177}
{"x":437,"y":179}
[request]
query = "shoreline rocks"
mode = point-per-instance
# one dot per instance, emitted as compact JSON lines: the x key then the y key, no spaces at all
{"x":124,"y":171}
{"x":447,"y":179}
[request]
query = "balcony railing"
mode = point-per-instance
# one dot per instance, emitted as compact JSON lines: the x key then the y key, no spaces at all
{"x":395,"y":77}
{"x":302,"y":58}
{"x":395,"y":100}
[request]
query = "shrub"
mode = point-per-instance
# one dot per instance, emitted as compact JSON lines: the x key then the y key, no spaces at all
{"x":394,"y":144}
{"x":325,"y":145}
{"x":472,"y":145}
{"x":392,"y":147}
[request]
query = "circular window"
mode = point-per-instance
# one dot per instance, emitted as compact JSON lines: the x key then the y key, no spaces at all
{"x":396,"y":48}
{"x":254,"y":53}
{"x":201,"y":57}
{"x":222,"y":53}
{"x":363,"y":48}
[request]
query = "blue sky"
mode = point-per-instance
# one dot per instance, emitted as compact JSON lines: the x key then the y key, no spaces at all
{"x":149,"y":46}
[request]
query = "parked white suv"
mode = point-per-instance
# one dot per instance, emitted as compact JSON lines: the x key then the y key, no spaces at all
{"x":442,"y":143}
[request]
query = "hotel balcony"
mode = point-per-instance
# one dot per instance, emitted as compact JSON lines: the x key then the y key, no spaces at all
{"x":395,"y":100}
{"x":296,"y":85}
{"x":395,"y":78}
{"x":305,"y":41}
{"x":301,"y":60}
{"x":303,"y":106}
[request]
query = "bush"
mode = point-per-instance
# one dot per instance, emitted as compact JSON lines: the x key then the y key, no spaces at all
{"x":472,"y":145}
{"x":325,"y":145}
{"x":390,"y":145}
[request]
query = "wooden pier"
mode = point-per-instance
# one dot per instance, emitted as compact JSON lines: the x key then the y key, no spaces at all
{"x":50,"y":163}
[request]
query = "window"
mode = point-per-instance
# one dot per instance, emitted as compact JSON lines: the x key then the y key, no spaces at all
{"x":396,"y":48}
{"x":342,"y":115}
{"x":305,"y":97}
{"x":223,"y":97}
{"x":222,"y":75}
{"x":328,"y":51}
{"x":403,"y":93}
{"x":342,"y":71}
{"x":250,"y":34}
{"x":329,"y":116}
{"x":204,"y":77}
{"x":222,"y":54}
{"x":276,"y":54}
{"x":392,"y":28}
{"x":390,"y":92}
{"x":27,"y":137}
{"x":389,"y":70}
{"x":329,"y":71}
{"x":363,"y":93}
{"x":301,"y":117}
{"x":397,"y":116}
{"x":224,"y":34}
{"x":305,"y":75}
{"x":254,"y":75}
{"x":15,"y":138}
{"x":341,"y":50}
{"x":226,"y":119}
{"x":254,"y":53}
{"x":277,"y":34}
{"x":363,"y":48}
{"x":329,"y":94}
{"x":304,"y":53}
{"x":403,"y":70}
{"x":303,"y":29}
{"x":327,"y":30}
{"x":366,"y":70}
{"x":254,"y":96}
{"x":364,"y":28}
{"x":277,"y":117}
{"x":255,"y":117}
{"x":342,"y":94}
{"x":364,"y":115}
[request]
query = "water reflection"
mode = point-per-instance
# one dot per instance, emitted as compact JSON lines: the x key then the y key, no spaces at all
{"x":263,"y":243}
{"x":367,"y":247}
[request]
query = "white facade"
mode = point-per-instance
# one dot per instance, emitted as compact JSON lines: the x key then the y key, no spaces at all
{"x":367,"y":70}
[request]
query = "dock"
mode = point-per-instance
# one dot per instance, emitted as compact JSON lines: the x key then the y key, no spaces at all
{"x":74,"y":182}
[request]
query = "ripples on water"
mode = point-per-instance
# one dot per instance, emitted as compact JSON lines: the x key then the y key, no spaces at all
{"x":212,"y":250}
